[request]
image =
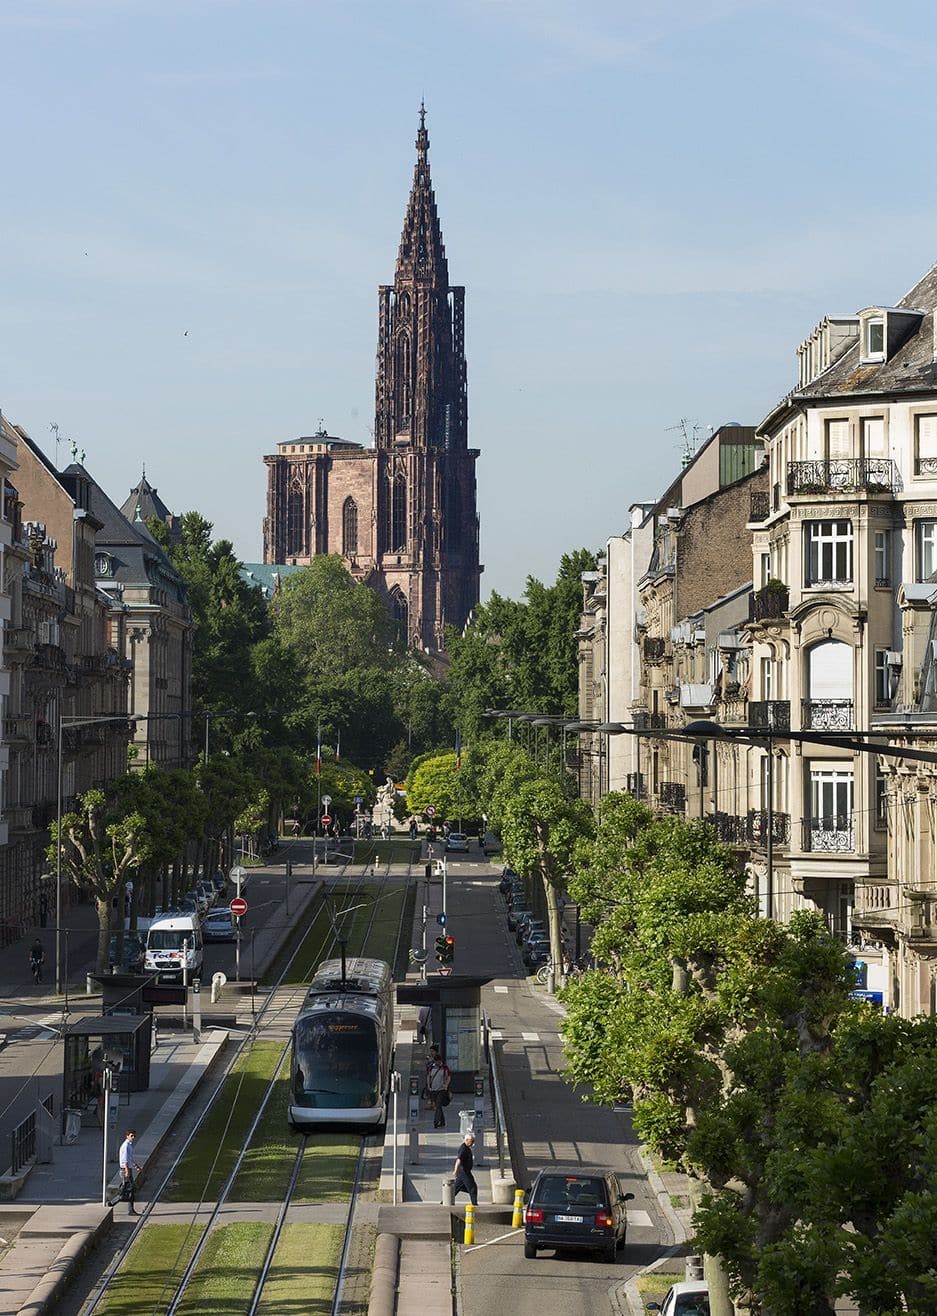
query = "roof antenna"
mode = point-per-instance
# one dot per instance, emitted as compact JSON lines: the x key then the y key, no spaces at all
{"x":690,"y":438}
{"x":59,"y":439}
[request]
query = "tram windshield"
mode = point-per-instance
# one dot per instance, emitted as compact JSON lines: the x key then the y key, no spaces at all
{"x":335,"y":1062}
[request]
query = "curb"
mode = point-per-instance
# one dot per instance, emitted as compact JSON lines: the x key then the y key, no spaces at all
{"x":627,"y":1297}
{"x":383,"y":1299}
{"x":57,"y":1277}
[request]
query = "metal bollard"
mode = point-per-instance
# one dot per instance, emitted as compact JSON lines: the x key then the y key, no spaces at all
{"x":468,"y":1236}
{"x":518,"y":1217}
{"x":89,"y":985}
{"x":448,"y":1192}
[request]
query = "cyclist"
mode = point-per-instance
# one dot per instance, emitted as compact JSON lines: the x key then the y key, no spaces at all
{"x":36,"y":957}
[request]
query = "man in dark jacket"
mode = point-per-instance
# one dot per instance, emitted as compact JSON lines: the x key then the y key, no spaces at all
{"x":462,"y":1171}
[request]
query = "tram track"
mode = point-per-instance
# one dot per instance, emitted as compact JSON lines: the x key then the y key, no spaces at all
{"x":273,"y":1023}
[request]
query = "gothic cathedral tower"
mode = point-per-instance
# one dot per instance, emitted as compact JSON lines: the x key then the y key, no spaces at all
{"x":403,"y":514}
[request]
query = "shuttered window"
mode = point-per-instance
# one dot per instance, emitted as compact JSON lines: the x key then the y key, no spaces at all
{"x":925,"y":445}
{"x":873,"y":437}
{"x":837,"y":439}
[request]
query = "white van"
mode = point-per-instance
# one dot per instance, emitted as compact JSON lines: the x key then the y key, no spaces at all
{"x":172,"y":937}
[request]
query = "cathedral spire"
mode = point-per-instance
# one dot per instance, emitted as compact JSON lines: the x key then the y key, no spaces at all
{"x":422,"y":254}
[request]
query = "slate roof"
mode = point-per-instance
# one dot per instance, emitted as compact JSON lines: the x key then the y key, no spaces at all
{"x":136,"y":558}
{"x":911,"y":369}
{"x":144,"y":502}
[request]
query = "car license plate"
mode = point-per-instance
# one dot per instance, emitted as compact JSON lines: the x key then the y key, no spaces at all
{"x":569,"y":1219}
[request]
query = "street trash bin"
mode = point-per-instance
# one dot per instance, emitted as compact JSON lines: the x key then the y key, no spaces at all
{"x":72,"y":1125}
{"x":466,"y":1122}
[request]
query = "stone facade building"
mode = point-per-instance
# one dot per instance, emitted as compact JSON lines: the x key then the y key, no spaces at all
{"x":402,"y":514}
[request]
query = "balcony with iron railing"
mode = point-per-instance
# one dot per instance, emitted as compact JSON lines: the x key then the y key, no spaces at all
{"x":757,"y":827}
{"x":655,"y":648}
{"x":770,"y":603}
{"x":636,"y":785}
{"x":826,"y":714}
{"x":650,"y":721}
{"x":925,"y":466}
{"x":829,"y":835}
{"x":772,"y":714}
{"x":730,"y":828}
{"x":760,"y":506}
{"x":850,"y":475}
{"x":672,"y":796}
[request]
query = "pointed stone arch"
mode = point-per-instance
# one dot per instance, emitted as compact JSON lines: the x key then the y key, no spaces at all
{"x":400,"y":611}
{"x":350,"y":527}
{"x":398,"y":514}
{"x":295,"y":518}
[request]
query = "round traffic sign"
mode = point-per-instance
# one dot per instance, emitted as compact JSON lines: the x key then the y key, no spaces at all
{"x":326,"y":819}
{"x":430,"y":811}
{"x":238,"y":906}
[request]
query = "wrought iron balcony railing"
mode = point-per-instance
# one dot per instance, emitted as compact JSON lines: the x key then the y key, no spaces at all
{"x":655,"y":646}
{"x":925,"y":466}
{"x":843,"y":475}
{"x":636,"y":785}
{"x":672,"y":796}
{"x":730,"y":828}
{"x":830,"y":835}
{"x":772,"y":714}
{"x":757,"y":829}
{"x":650,"y":721}
{"x":760,"y":506}
{"x":826,"y":714}
{"x":768,"y":603}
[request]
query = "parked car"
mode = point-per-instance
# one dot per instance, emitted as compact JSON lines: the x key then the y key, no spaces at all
{"x":527,"y":927}
{"x":576,"y":1208}
{"x":457,"y":841}
{"x":515,"y":914}
{"x":207,"y":889}
{"x":688,"y":1298}
{"x":536,"y":952}
{"x":186,"y":904}
{"x":134,"y":950}
{"x":219,"y":881}
{"x":195,"y":897}
{"x":490,"y":844}
{"x":219,"y":925}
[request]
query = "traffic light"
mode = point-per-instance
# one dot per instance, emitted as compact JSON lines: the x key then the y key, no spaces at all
{"x":442,"y":948}
{"x":448,"y":949}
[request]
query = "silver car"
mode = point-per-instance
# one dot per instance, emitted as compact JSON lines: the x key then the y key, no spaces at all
{"x":219,"y":925}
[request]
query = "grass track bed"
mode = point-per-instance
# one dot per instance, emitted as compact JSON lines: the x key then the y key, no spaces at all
{"x":142,"y":1284}
{"x":395,"y":851}
{"x":201,"y":1175}
{"x":301,"y":1280}
{"x":328,"y":1169}
{"x":228,"y":1270}
{"x":265,"y":1172}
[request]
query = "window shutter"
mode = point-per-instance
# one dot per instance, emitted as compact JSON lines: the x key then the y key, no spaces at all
{"x":926,"y":437}
{"x":837,"y":439}
{"x":873,"y":434}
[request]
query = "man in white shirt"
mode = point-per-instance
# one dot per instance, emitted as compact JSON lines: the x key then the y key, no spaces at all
{"x":128,"y":1167}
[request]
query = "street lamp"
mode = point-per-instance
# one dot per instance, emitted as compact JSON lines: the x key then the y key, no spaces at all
{"x":66,"y":724}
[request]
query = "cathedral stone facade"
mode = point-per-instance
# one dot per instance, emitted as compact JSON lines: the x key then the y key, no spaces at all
{"x":401,"y":514}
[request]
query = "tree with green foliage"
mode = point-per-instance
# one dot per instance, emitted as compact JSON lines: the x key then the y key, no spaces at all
{"x":519,"y":654}
{"x":174,"y":813}
{"x":436,"y":781}
{"x":101,"y":844}
{"x":699,"y":1011}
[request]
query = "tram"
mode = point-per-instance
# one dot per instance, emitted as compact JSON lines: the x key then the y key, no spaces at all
{"x":342,"y":1046}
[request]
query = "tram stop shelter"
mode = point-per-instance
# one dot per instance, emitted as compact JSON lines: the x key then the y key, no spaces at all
{"x":114,"y":1037}
{"x":455,"y":1003}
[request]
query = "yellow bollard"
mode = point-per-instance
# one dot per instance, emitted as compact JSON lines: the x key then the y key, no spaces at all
{"x":518,"y":1217}
{"x":469,"y":1235}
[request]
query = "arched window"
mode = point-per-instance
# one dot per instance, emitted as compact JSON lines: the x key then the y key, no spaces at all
{"x":295,"y":529}
{"x":829,"y":706}
{"x":398,"y":516}
{"x":401,"y":615}
{"x":350,"y":527}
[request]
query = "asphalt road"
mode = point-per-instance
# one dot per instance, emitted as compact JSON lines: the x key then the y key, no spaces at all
{"x":550,"y":1124}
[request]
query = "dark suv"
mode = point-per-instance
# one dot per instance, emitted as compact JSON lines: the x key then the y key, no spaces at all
{"x":578,"y":1209}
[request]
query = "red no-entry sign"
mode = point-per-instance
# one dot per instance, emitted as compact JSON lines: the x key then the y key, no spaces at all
{"x":238,"y":906}
{"x":326,"y":820}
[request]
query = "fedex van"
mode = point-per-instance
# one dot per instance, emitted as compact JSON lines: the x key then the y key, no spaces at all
{"x":174,"y":941}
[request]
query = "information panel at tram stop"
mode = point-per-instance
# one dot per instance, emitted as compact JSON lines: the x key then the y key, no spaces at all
{"x":456,"y":1017}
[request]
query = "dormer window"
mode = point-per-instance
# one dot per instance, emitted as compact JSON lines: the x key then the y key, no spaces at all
{"x":875,"y":339}
{"x":103,"y":564}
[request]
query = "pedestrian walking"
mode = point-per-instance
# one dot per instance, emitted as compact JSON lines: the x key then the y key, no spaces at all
{"x":36,"y":959}
{"x":462,"y":1170}
{"x":438,"y":1079}
{"x":128,"y":1170}
{"x":425,"y":1030}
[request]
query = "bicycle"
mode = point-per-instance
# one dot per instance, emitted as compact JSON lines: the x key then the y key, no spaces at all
{"x":36,"y":968}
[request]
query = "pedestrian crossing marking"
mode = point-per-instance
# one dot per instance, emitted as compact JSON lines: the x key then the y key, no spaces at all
{"x":496,"y":1035}
{"x":530,"y":1037}
{"x":639,"y":1220}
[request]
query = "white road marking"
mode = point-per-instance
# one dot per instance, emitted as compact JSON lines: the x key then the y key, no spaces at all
{"x":639,"y":1219}
{"x":530,"y":1037}
{"x":501,"y":989}
{"x":474,"y":1247}
{"x":496,"y":1035}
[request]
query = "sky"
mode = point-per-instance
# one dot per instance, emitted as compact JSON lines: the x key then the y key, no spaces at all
{"x":650,"y":204}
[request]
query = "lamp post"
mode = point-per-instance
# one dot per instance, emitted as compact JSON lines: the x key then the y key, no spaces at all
{"x":67,"y":724}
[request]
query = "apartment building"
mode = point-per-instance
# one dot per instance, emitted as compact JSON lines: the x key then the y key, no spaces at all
{"x":843,"y":555}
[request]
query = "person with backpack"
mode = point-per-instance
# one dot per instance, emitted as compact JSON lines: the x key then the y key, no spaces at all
{"x":438,"y":1078}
